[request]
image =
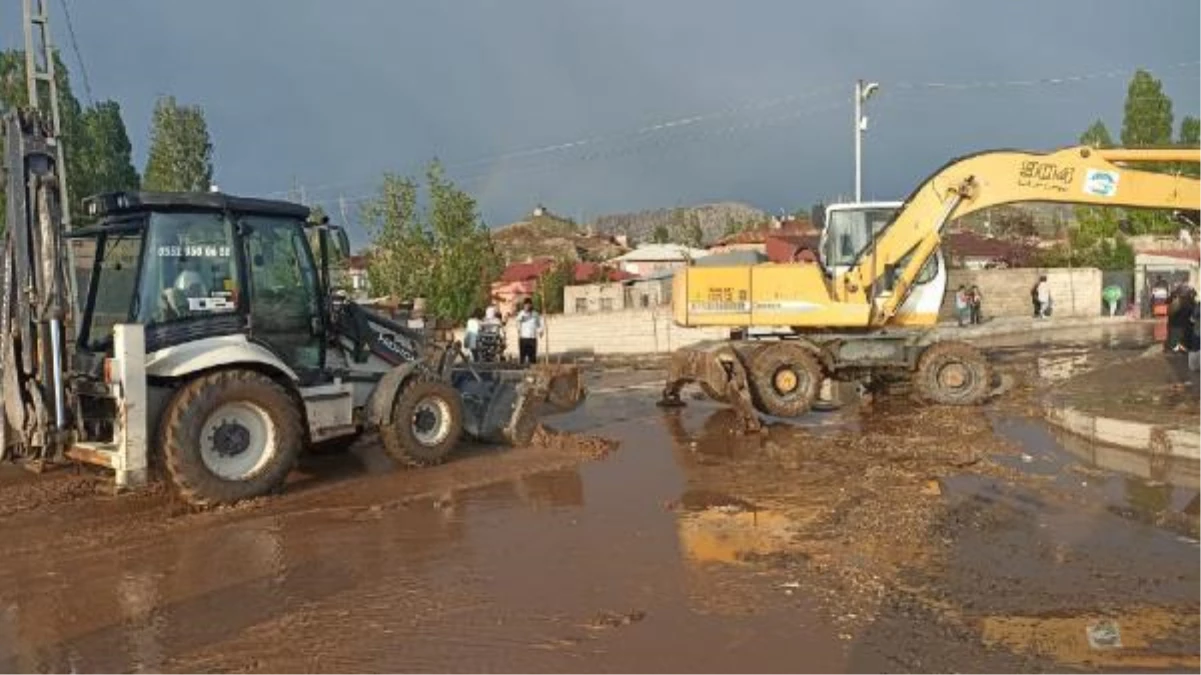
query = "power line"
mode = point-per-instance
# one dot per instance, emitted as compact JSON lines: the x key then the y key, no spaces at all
{"x":83,"y":70}
{"x":675,"y":124}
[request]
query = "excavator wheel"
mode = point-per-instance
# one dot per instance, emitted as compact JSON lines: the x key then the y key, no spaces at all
{"x":953,"y":373}
{"x":785,"y":379}
{"x":427,"y":421}
{"x":229,"y":436}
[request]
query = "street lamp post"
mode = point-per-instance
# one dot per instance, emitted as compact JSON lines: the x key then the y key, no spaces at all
{"x":863,"y":91}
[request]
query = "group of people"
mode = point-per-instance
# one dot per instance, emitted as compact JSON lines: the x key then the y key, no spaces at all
{"x":484,"y":335}
{"x":968,"y":303}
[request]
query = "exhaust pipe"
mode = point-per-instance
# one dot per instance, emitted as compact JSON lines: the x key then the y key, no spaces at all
{"x":56,"y":349}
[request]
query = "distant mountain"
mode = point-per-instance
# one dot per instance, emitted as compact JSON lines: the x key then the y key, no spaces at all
{"x":715,"y":220}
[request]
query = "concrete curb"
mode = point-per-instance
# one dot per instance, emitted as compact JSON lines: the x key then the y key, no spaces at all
{"x":1150,"y":438}
{"x":1157,"y":440}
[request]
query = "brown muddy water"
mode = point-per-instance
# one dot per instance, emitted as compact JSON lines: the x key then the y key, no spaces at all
{"x":900,"y":538}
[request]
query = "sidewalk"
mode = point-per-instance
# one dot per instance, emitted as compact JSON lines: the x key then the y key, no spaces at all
{"x":1150,"y":403}
{"x":1019,"y":324}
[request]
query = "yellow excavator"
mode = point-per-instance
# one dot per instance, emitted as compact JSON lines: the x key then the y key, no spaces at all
{"x":852,"y":324}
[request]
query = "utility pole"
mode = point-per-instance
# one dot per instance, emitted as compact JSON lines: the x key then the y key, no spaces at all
{"x":39,"y":70}
{"x":863,"y":91}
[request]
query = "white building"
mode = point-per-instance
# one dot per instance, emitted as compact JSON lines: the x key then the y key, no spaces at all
{"x":650,"y":258}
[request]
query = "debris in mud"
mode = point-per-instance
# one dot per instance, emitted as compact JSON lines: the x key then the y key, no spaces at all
{"x":592,"y":447}
{"x":1104,"y":635}
{"x":32,"y":492}
{"x":616,"y":620}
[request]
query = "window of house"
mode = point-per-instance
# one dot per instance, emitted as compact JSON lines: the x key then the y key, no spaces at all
{"x":645,"y":300}
{"x":581,"y":305}
{"x":606,"y":304}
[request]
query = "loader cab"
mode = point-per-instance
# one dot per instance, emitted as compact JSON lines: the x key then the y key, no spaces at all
{"x":849,"y":228}
{"x":190,"y":266}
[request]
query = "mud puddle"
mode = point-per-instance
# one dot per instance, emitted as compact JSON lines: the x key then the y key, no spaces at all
{"x":566,"y":569}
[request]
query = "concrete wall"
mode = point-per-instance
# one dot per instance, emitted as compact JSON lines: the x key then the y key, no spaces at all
{"x":625,"y":332}
{"x":1074,"y":292}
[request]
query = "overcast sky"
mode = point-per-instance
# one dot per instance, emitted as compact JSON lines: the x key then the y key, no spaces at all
{"x":330,"y":94}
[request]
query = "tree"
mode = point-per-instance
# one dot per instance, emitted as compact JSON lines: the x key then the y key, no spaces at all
{"x":1097,"y":136}
{"x":1190,"y":137}
{"x":105,"y":155}
{"x":181,"y":153}
{"x":443,"y":252}
{"x":1147,"y":122}
{"x":660,"y":234}
{"x":548,"y":297}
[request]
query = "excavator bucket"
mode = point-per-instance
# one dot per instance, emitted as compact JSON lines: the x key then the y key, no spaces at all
{"x":503,"y":404}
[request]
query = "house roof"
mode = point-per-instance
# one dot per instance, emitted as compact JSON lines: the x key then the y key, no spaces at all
{"x":660,"y":253}
{"x":1193,"y":254}
{"x":972,"y":245}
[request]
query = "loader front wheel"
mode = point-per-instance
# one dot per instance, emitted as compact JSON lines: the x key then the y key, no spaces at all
{"x":953,"y":373}
{"x":230,"y":436}
{"x":427,"y":421}
{"x":785,"y":380}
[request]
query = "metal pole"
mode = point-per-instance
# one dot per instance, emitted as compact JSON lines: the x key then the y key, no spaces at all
{"x":858,"y":140}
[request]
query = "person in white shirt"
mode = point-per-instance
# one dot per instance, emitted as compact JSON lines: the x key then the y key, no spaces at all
{"x":529,"y":327}
{"x":471,"y":335}
{"x":1043,"y":291}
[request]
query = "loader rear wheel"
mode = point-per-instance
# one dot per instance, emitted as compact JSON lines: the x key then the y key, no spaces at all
{"x":785,"y":380}
{"x":953,"y":373}
{"x":230,"y":436}
{"x":427,"y":421}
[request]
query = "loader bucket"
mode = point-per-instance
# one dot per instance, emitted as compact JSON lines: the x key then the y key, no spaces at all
{"x":502,"y":405}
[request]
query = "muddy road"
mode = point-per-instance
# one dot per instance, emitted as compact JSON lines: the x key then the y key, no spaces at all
{"x":895,"y":538}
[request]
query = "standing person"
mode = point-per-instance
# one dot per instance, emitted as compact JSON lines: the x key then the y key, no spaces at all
{"x":976,"y":301}
{"x":1038,"y":311}
{"x":1112,"y":295}
{"x":962,"y":306}
{"x":1043,"y":291}
{"x":529,"y":327}
{"x":471,"y":335}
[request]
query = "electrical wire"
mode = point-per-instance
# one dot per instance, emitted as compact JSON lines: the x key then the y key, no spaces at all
{"x":672,"y":125}
{"x":83,"y":70}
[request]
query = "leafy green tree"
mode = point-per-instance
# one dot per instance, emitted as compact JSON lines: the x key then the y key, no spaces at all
{"x":1097,"y":136}
{"x":548,"y":296}
{"x":1190,"y":137}
{"x":660,"y":235}
{"x":443,"y":252}
{"x":105,"y":155}
{"x":1147,"y":123}
{"x":181,"y":153}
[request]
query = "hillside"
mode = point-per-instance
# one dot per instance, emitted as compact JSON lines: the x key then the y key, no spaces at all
{"x":549,"y":236}
{"x":714,"y":220}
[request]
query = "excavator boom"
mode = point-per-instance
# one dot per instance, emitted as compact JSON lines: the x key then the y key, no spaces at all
{"x":887,"y":269}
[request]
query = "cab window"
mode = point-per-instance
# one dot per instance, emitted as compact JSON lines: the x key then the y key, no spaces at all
{"x":190,"y":269}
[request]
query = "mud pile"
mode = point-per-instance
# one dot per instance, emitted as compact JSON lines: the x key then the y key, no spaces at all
{"x":591,"y":447}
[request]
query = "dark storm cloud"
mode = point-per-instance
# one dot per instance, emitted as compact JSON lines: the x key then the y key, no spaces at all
{"x":336,"y":92}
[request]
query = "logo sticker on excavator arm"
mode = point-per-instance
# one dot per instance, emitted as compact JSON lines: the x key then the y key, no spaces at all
{"x":1101,"y":183}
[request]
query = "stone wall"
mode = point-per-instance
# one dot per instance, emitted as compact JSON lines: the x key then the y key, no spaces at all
{"x":1075,"y":292}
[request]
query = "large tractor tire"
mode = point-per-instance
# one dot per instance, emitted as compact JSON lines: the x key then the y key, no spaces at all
{"x":230,"y":436}
{"x":785,"y":379}
{"x":953,"y":373}
{"x":427,"y":421}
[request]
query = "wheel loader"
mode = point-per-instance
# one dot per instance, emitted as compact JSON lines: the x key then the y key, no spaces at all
{"x":871,"y":317}
{"x":195,"y":335}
